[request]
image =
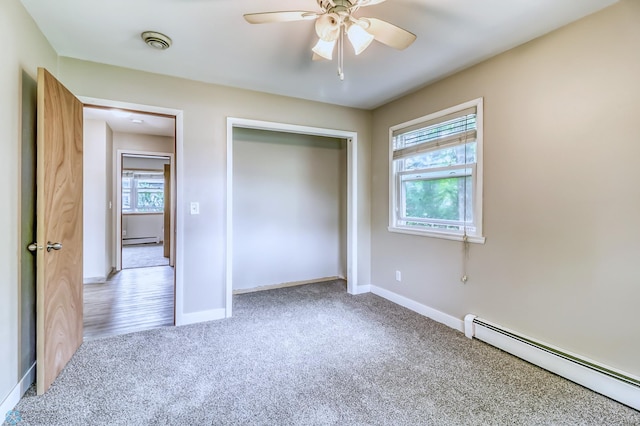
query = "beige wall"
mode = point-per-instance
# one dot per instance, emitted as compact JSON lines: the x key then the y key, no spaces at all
{"x":562,"y":192}
{"x":206,"y":108}
{"x":96,"y":213}
{"x":24,"y":48}
{"x":140,"y":142}
{"x":142,"y":226}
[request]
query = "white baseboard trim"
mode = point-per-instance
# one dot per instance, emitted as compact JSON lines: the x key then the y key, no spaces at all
{"x":361,"y":289}
{"x":202,"y":316}
{"x":140,"y":240}
{"x":616,"y":384}
{"x":284,"y":285}
{"x":425,"y":310}
{"x":605,"y":383}
{"x":94,"y":280}
{"x":16,"y":393}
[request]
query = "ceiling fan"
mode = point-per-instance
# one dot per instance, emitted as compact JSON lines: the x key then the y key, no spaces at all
{"x":334,"y":21}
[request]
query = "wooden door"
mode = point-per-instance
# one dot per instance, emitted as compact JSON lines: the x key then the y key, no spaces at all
{"x":59,"y":220}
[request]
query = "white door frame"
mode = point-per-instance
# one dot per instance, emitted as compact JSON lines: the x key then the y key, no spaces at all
{"x":178,"y":187}
{"x":352,"y":195}
{"x":148,"y":154}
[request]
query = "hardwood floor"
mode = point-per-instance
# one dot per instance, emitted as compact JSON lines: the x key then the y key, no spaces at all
{"x":131,"y":300}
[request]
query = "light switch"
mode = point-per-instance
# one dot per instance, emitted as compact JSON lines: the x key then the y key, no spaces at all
{"x":195,"y":207}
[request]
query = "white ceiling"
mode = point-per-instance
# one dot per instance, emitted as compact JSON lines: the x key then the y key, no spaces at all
{"x":133,"y":122}
{"x":213,"y":43}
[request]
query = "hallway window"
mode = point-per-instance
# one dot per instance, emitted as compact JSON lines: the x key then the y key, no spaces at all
{"x":142,"y":192}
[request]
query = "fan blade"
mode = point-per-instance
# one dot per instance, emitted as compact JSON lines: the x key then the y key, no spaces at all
{"x":286,"y":16}
{"x":389,"y":34}
{"x":363,"y":3}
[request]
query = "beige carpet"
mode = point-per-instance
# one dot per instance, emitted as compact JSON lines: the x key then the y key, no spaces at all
{"x":143,"y":256}
{"x":311,"y":355}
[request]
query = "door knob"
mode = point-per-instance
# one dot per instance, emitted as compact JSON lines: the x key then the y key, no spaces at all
{"x":53,"y":246}
{"x":33,"y":247}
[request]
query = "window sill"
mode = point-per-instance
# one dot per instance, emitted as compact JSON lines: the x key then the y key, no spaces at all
{"x":434,"y":234}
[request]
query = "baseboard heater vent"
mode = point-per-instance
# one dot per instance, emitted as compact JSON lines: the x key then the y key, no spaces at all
{"x":140,"y":240}
{"x":616,"y":385}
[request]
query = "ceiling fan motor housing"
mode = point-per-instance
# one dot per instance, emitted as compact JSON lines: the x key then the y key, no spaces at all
{"x":340,"y":7}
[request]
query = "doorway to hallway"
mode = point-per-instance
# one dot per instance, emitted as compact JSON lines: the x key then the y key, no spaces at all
{"x":138,"y":292}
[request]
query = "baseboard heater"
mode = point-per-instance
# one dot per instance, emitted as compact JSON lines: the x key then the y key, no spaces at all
{"x":599,"y":378}
{"x":140,"y":240}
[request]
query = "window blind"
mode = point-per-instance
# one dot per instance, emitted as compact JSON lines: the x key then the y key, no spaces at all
{"x":453,"y":129}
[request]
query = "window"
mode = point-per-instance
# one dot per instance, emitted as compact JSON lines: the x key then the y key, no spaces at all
{"x":436,"y":174}
{"x":142,"y":192}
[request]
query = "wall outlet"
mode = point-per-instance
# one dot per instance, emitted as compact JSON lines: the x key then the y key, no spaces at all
{"x":124,"y":232}
{"x":398,"y":276}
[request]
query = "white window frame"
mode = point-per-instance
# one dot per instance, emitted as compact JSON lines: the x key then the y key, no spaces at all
{"x":133,"y":191}
{"x":475,"y":170}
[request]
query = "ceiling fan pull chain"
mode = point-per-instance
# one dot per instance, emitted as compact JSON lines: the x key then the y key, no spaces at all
{"x":341,"y":55}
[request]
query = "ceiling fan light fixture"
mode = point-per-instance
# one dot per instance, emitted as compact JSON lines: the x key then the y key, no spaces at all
{"x":328,"y":27}
{"x":324,"y":48}
{"x":360,"y":39}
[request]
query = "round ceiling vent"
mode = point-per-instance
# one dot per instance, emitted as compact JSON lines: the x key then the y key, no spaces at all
{"x":156,"y":40}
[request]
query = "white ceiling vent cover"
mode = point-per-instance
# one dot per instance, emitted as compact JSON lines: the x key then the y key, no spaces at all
{"x":156,"y":40}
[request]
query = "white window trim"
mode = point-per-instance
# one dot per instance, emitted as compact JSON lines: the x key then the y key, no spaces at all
{"x":478,"y":201}
{"x":133,"y":192}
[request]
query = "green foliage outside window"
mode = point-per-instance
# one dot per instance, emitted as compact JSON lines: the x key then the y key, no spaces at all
{"x":144,"y":190}
{"x":150,"y":201}
{"x":432,"y":199}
